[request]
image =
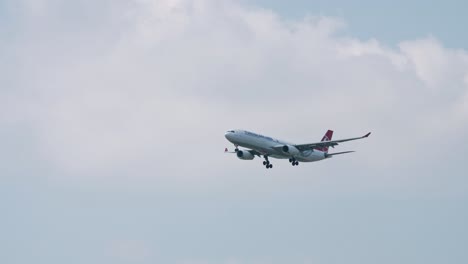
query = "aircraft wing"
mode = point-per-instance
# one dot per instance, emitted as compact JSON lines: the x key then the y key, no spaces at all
{"x":330,"y":143}
{"x":253,"y":152}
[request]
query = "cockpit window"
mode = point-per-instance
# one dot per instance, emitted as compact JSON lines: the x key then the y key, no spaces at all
{"x":231,"y":131}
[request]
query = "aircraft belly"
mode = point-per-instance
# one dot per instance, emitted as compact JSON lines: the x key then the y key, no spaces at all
{"x":264,"y":147}
{"x":309,"y":159}
{"x":276,"y":156}
{"x":310,"y":156}
{"x":261,"y":146}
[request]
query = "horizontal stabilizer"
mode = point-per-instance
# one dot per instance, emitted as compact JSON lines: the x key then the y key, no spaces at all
{"x":337,"y":153}
{"x":227,"y":151}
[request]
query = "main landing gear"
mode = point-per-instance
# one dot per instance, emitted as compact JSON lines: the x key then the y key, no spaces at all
{"x":293,"y":161}
{"x":267,"y":163}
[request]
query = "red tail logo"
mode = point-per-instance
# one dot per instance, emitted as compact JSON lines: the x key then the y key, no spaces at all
{"x":327,"y":137}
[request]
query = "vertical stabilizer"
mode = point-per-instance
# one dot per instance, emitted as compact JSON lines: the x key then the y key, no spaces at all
{"x":327,"y":137}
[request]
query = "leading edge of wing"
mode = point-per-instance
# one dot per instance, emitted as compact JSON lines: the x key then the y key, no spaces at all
{"x":330,"y":143}
{"x":253,"y":152}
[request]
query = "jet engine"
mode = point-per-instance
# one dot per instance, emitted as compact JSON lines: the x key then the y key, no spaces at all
{"x":291,"y":150}
{"x":245,"y":155}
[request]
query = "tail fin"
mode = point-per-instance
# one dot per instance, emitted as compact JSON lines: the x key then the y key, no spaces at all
{"x":327,"y":137}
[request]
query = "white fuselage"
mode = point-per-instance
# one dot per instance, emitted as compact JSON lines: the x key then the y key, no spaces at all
{"x":269,"y":146}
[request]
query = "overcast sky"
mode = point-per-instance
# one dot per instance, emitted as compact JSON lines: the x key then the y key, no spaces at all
{"x":113,"y":114}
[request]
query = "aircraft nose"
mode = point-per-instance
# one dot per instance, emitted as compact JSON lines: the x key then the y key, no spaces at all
{"x":228,"y":135}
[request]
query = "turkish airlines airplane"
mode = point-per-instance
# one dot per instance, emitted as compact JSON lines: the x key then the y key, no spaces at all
{"x":269,"y":147}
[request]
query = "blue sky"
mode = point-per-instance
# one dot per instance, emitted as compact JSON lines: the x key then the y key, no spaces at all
{"x":113,"y":113}
{"x":388,"y":21}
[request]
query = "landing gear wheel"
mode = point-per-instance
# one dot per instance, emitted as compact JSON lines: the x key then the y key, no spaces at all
{"x":296,"y":163}
{"x":266,"y":163}
{"x":270,"y":165}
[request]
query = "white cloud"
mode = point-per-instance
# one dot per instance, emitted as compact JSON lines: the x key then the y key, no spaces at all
{"x":158,"y":82}
{"x":434,"y":64}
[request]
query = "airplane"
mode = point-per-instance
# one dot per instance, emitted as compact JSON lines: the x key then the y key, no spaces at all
{"x":259,"y":145}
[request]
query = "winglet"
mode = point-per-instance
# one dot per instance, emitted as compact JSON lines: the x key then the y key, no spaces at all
{"x":367,"y":135}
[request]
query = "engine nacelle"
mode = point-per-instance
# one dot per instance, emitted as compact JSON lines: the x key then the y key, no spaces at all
{"x":245,"y":155}
{"x":291,"y":150}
